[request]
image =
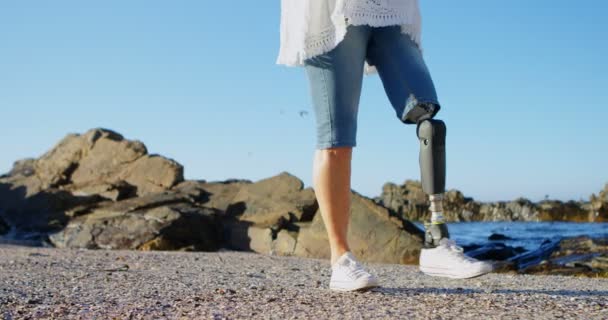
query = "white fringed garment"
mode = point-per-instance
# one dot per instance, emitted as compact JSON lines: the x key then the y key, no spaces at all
{"x":312,"y":27}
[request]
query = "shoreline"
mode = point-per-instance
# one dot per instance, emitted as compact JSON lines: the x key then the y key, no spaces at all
{"x":86,"y":284}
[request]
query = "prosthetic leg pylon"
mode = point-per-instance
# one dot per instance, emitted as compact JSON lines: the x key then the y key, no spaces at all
{"x":432,"y":133}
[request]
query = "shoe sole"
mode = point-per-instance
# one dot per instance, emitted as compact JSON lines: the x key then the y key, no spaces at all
{"x":361,"y":288}
{"x":441,"y":272}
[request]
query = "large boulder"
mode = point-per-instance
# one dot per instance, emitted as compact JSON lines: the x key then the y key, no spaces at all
{"x":254,"y":213}
{"x":81,"y":170}
{"x":276,"y":200}
{"x":374,"y":235}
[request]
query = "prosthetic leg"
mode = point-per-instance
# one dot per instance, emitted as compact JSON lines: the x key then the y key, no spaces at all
{"x":431,"y":133}
{"x":445,"y":258}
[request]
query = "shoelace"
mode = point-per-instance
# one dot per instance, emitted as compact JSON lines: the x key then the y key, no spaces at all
{"x":355,"y":270}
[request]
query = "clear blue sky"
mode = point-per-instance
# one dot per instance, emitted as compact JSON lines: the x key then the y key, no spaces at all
{"x":523,"y":85}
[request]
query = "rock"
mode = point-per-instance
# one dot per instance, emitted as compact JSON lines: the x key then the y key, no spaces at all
{"x":457,"y":207}
{"x":600,"y":263}
{"x":194,"y":190}
{"x":522,"y":209}
{"x":580,"y":245}
{"x":569,"y":256}
{"x":162,"y":221}
{"x":518,"y":210}
{"x":43,"y":211}
{"x":275,"y":201}
{"x":408,"y":200}
{"x":112,"y":159}
{"x":530,"y":259}
{"x":106,"y":159}
{"x":374,"y":235}
{"x":411,"y":203}
{"x":4,"y":227}
{"x":495,"y":251}
{"x":255,"y":213}
{"x":553,"y":210}
{"x":24,"y":168}
{"x":79,"y":172}
{"x":285,"y":243}
{"x":243,"y":236}
{"x":235,"y":235}
{"x":261,"y":239}
{"x":498,"y":236}
{"x":160,"y":244}
{"x":113,"y":191}
{"x":599,"y":206}
{"x":167,"y":173}
{"x":55,"y":167}
{"x":221,"y":195}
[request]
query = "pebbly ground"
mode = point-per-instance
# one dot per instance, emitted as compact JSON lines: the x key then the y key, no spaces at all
{"x":83,"y":284}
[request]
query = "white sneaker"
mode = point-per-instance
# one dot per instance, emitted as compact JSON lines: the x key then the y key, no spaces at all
{"x":349,"y":275}
{"x":448,"y":260}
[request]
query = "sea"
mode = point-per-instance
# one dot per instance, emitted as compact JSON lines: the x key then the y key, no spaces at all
{"x":529,"y":235}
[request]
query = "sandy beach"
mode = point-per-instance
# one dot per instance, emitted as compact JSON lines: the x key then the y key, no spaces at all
{"x":94,"y":284}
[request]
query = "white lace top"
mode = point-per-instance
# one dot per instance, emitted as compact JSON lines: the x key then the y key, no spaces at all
{"x":312,"y":27}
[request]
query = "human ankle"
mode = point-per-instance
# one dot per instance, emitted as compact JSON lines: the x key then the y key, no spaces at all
{"x":336,"y":254}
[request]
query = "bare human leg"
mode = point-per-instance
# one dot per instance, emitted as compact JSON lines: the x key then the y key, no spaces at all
{"x":331,"y":180}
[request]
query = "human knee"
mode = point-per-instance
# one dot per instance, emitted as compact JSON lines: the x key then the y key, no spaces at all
{"x":416,"y":111}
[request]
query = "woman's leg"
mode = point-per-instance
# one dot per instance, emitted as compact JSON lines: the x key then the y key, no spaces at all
{"x":409,"y":86}
{"x":335,"y":80}
{"x":331,"y":179}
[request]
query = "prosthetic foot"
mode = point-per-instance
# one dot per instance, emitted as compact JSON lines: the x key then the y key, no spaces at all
{"x":433,"y":234}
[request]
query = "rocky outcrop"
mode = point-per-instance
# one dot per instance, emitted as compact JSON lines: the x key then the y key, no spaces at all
{"x":38,"y":194}
{"x":101,"y":191}
{"x":410,"y":202}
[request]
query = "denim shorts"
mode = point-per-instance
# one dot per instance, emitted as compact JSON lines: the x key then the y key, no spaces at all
{"x":335,"y":80}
